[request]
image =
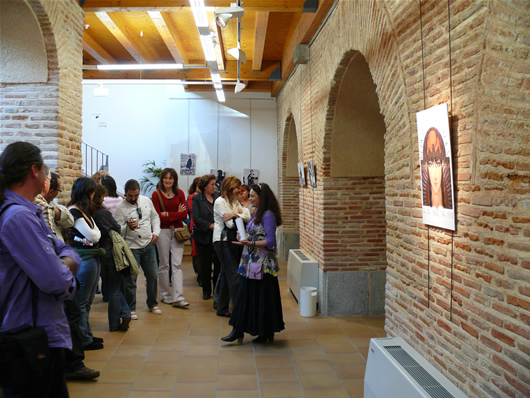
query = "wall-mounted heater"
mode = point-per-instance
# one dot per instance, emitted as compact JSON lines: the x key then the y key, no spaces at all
{"x":396,"y":370}
{"x":301,"y":271}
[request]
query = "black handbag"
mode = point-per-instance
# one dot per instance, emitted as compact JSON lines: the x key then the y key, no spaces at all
{"x":24,"y":353}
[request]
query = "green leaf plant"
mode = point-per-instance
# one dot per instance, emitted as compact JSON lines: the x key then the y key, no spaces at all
{"x":151,"y":173}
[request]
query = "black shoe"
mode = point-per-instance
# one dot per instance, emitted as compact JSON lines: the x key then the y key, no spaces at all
{"x":227,"y":314}
{"x":233,"y":336}
{"x":263,"y":339}
{"x":124,"y":326}
{"x":93,"y":346}
{"x":97,"y":339}
{"x":206,"y":296}
{"x":82,"y":374}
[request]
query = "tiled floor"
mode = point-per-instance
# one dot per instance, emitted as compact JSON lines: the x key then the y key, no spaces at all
{"x":179,"y":354}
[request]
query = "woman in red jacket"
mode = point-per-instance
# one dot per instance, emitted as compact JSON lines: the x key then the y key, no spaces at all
{"x":170,"y":204}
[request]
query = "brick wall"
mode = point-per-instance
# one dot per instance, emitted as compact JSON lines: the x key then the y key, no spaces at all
{"x":49,"y":114}
{"x":460,"y":298}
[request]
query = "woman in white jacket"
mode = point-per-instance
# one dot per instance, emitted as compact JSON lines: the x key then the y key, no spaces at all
{"x":226,"y":210}
{"x":84,"y":237}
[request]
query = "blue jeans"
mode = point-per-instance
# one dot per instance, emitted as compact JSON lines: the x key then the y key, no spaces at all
{"x":118,"y":307}
{"x":88,"y":279}
{"x":146,"y":259}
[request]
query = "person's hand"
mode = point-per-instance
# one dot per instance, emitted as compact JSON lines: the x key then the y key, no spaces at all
{"x":212,"y":226}
{"x":154,"y":239}
{"x":133,"y":224}
{"x":241,"y":242}
{"x":240,"y":210}
{"x":70,"y":263}
{"x":57,"y":214}
{"x":182,"y":207}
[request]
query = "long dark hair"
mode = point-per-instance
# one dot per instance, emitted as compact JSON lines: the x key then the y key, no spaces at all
{"x":110,"y":185}
{"x":99,"y":194}
{"x":81,"y":190}
{"x":193,"y":186}
{"x":15,"y":163}
{"x":173,"y":173}
{"x":267,"y":201}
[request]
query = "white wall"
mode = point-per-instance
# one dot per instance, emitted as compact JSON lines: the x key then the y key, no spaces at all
{"x":137,"y":123}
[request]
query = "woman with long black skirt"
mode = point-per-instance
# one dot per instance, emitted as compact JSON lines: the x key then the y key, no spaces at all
{"x":258,"y":306}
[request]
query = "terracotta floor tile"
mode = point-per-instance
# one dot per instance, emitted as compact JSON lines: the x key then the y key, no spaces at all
{"x":283,"y":361}
{"x":172,"y":334}
{"x":333,"y":348}
{"x":100,"y":390}
{"x":238,"y":394}
{"x":315,"y":366}
{"x":202,"y":350}
{"x":164,"y":356}
{"x":132,"y":350}
{"x":154,"y":382}
{"x":307,"y":355}
{"x":204,"y":340}
{"x":203,"y":362}
{"x":168,"y":345}
{"x":348,"y":358}
{"x":237,"y":368}
{"x":151,"y":394}
{"x":190,"y":375}
{"x":354,"y":386}
{"x":236,"y":356}
{"x":118,"y":376}
{"x":281,"y":390}
{"x":161,"y":368}
{"x":350,"y":371}
{"x":195,"y":390}
{"x":280,"y":374}
{"x":324,"y":380}
{"x":325,"y":392}
{"x":119,"y":362}
{"x":333,"y":338}
{"x":237,"y":382}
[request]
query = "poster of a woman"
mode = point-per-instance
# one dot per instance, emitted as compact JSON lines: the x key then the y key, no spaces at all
{"x":436,"y":167}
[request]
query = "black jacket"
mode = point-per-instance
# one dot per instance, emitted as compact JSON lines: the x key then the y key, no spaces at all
{"x":202,"y":212}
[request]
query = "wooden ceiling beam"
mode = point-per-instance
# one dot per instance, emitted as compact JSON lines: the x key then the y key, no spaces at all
{"x":174,"y":5}
{"x":133,"y":45}
{"x":304,"y":32}
{"x":260,"y":33}
{"x":168,"y":33}
{"x":96,"y":51}
{"x":193,"y":74}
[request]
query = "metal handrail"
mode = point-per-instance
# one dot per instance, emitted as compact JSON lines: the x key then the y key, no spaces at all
{"x":93,"y":160}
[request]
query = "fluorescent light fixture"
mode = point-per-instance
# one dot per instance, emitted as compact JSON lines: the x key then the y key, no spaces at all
{"x":216,"y":78}
{"x":199,"y":12}
{"x":218,"y":86}
{"x":220,"y":95}
{"x":238,"y":54}
{"x":139,"y":66}
{"x":239,"y":87}
{"x":207,"y":47}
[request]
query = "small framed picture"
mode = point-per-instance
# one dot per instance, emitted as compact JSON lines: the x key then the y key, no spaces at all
{"x":301,"y":173}
{"x":312,"y":175}
{"x":250,"y":177}
{"x":187,"y":164}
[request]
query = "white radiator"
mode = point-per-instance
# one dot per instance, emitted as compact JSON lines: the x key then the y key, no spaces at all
{"x":301,"y":271}
{"x":396,"y":370}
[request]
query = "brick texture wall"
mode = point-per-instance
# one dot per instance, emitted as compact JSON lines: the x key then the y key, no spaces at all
{"x":49,"y":114}
{"x":460,"y":298}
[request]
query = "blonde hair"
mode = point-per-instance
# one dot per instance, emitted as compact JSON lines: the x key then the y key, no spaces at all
{"x":229,"y":184}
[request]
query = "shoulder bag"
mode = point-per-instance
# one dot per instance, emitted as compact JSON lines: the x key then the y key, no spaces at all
{"x":181,"y":234}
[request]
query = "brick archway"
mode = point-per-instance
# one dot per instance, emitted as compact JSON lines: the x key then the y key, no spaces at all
{"x":289,"y":189}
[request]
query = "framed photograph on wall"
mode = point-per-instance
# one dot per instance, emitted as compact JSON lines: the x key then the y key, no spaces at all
{"x":312,"y":175}
{"x":250,"y":177}
{"x":301,"y":173}
{"x":219,"y":177}
{"x":434,"y":140}
{"x":188,"y":161}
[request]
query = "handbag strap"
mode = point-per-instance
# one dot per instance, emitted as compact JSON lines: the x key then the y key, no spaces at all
{"x":90,"y":223}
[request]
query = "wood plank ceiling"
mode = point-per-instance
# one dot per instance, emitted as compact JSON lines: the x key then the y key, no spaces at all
{"x":164,"y":31}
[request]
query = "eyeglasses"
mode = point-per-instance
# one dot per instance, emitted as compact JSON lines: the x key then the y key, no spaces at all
{"x":59,"y":190}
{"x":139,"y":210}
{"x":434,"y":163}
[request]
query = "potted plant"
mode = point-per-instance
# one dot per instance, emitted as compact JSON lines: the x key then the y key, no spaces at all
{"x":151,"y":173}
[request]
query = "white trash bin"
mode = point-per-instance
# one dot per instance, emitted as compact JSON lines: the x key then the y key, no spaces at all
{"x":308,"y":301}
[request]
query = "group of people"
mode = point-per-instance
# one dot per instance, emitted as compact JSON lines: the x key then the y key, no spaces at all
{"x":113,"y":238}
